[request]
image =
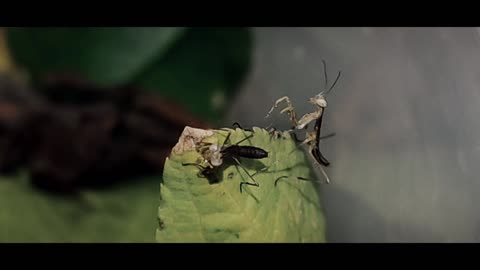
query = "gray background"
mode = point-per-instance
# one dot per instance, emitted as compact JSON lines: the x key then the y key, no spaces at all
{"x":406,"y":110}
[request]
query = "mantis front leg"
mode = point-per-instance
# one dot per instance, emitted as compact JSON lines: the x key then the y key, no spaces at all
{"x":289,"y":109}
{"x":308,"y":118}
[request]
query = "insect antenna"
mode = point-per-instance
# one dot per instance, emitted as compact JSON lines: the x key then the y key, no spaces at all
{"x":325,"y":73}
{"x":335,"y":82}
{"x":326,"y":78}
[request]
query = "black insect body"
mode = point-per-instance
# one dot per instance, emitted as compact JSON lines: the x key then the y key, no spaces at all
{"x":244,"y":151}
{"x":316,"y":153}
{"x":215,"y":156}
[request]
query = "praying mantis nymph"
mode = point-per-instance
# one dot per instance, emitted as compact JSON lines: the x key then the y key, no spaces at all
{"x":312,"y":138}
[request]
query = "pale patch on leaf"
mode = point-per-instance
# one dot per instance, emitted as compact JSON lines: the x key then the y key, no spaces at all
{"x":189,"y":138}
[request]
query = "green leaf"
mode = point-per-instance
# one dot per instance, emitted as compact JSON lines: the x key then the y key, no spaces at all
{"x":122,"y":214}
{"x":203,"y":71}
{"x":194,"y":210}
{"x":108,"y":56}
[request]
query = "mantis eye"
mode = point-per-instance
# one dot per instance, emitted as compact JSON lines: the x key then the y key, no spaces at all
{"x":322,"y":102}
{"x":319,"y":100}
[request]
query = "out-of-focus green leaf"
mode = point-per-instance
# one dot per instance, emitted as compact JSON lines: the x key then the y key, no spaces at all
{"x":200,"y":68}
{"x":108,"y":56}
{"x":194,"y":210}
{"x":123,"y":214}
{"x":203,"y":70}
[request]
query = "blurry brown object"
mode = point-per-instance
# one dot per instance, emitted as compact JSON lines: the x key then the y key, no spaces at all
{"x":5,"y":61}
{"x":72,"y":134}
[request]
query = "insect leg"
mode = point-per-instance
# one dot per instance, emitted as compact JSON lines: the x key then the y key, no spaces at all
{"x":275,"y":183}
{"x":242,"y":140}
{"x":285,"y":98}
{"x":309,"y":139}
{"x":308,"y":118}
{"x":244,"y":182}
{"x":319,"y":157}
{"x":328,"y":136}
{"x":194,"y":164}
{"x":247,"y":183}
{"x":321,"y":169}
{"x":202,"y":169}
{"x":274,"y":133}
{"x":226,"y":139}
{"x":298,"y":178}
{"x":262,"y":169}
{"x":295,"y":137}
{"x":236,"y":124}
{"x":289,"y":109}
